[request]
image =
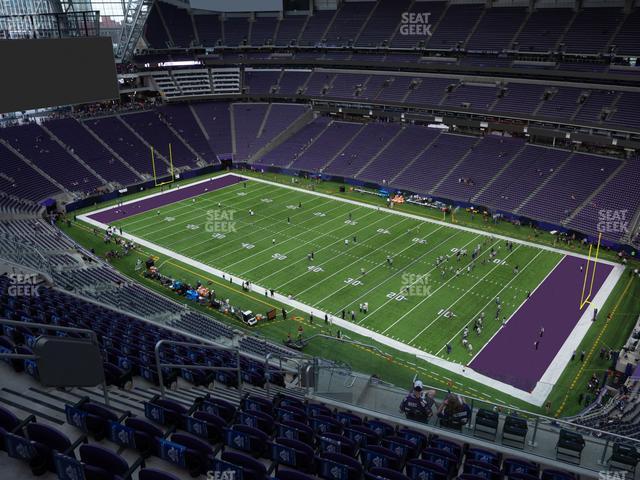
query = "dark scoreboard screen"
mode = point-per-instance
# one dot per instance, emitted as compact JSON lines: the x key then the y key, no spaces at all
{"x":54,"y":72}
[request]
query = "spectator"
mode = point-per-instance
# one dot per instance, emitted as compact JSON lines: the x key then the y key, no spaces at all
{"x":418,"y":405}
{"x":454,"y":412}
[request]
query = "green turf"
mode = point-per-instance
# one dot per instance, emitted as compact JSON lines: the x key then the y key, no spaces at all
{"x":408,"y":300}
{"x":563,"y":399}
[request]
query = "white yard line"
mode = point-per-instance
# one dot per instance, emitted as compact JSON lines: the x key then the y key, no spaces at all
{"x":491,"y":300}
{"x":273,"y":234}
{"x":396,"y":273}
{"x":300,"y":244}
{"x":419,"y":279}
{"x":460,"y":297}
{"x":319,"y":250}
{"x":536,"y":397}
{"x":563,"y":357}
{"x":166,"y":192}
{"x":360,"y":259}
{"x":516,"y":310}
{"x":430,"y":220}
{"x":192,"y":206}
{"x":181,"y":205}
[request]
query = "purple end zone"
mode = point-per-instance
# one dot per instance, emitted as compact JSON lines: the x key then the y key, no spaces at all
{"x":172,"y":196}
{"x":511,"y":356}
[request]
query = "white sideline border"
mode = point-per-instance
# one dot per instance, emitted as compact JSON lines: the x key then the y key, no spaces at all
{"x":544,"y":386}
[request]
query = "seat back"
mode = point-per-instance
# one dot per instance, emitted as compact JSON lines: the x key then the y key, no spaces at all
{"x":102,"y":458}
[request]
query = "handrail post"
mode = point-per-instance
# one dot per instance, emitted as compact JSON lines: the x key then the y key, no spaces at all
{"x":266,"y":369}
{"x":532,"y":442}
{"x":604,"y":451}
{"x":159,"y":368}
{"x":239,"y":371}
{"x":105,"y":390}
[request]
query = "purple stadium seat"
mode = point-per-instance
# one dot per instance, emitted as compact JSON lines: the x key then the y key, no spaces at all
{"x":330,"y":463}
{"x":284,"y":412}
{"x":46,"y":440}
{"x":362,"y":435}
{"x":484,"y":456}
{"x":97,"y":419}
{"x":514,"y":466}
{"x":218,"y":407}
{"x":255,"y":403}
{"x":295,"y":430}
{"x":8,"y":423}
{"x":102,"y":464}
{"x":252,"y":469}
{"x":418,"y":469}
{"x":286,"y":474}
{"x":215,"y":425}
{"x":174,"y":411}
{"x":385,"y":473}
{"x":483,"y":469}
{"x":154,"y":474}
{"x":549,"y":474}
{"x":315,"y":409}
{"x":382,"y":429}
{"x":446,"y":460}
{"x":145,"y":434}
{"x":450,"y":447}
{"x":259,"y":420}
{"x":246,"y":439}
{"x":289,"y":30}
{"x":406,"y":448}
{"x":293,"y":453}
{"x":374,"y":455}
{"x":419,"y":439}
{"x":348,"y":419}
{"x":197,"y":453}
{"x":334,"y":443}
{"x":114,"y":375}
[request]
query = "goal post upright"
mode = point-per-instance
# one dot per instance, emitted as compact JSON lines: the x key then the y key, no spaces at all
{"x":171,"y":163}
{"x":586,"y":299}
{"x":153,"y":167}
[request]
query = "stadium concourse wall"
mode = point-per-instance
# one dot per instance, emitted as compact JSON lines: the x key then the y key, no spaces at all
{"x":101,"y":217}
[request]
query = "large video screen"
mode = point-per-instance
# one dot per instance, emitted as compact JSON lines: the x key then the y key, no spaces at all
{"x":54,"y":72}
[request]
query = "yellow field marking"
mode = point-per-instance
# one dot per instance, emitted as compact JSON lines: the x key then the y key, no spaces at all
{"x":593,"y":347}
{"x":401,"y":363}
{"x":224,"y":284}
{"x":584,"y":300}
{"x":230,"y":286}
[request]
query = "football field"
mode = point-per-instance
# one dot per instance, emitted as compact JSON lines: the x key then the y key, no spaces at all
{"x":424,"y":283}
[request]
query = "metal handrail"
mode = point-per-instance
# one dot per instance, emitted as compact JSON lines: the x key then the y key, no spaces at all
{"x":538,"y":418}
{"x":92,"y":335}
{"x":306,"y":374}
{"x":292,"y":358}
{"x":160,"y":365}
